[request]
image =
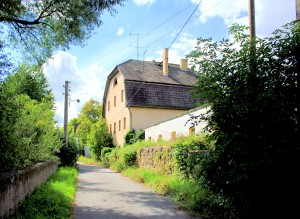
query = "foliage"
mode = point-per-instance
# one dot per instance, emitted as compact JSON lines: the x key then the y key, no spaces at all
{"x":40,"y":27}
{"x":188,"y":155}
{"x":90,"y":114}
{"x":88,"y":160}
{"x":132,"y":136}
{"x":122,"y":158}
{"x":5,"y":63}
{"x":99,"y":138}
{"x":68,"y":154}
{"x":27,"y":130}
{"x":104,"y":156}
{"x":54,"y":199}
{"x":29,"y":80}
{"x":252,"y":94}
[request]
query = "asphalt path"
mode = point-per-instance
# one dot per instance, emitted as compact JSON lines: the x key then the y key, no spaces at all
{"x":103,"y":193}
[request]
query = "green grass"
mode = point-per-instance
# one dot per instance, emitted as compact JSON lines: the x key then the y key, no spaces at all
{"x":54,"y":199}
{"x":87,"y":160}
{"x":186,"y":193}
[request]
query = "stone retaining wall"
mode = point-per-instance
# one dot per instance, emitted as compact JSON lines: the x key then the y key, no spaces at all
{"x":157,"y":158}
{"x":16,"y":185}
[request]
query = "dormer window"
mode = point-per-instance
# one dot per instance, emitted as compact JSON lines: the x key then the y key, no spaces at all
{"x":115,"y":82}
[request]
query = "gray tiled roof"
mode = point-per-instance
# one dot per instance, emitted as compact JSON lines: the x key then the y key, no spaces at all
{"x":152,"y":72}
{"x":146,"y":86}
{"x":158,"y":96}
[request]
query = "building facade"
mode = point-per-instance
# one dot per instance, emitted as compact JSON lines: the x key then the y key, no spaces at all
{"x":139,"y":94}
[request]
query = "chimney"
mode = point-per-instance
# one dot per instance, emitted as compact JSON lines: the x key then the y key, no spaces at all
{"x":165,"y":63}
{"x":184,"y":64}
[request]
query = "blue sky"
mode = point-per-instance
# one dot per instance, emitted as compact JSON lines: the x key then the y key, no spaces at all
{"x":156,"y":22}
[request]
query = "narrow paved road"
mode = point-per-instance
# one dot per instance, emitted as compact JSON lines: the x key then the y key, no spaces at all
{"x":102,"y":193}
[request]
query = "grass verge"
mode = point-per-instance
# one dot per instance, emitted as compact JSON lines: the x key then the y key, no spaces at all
{"x":186,"y":193}
{"x":54,"y":199}
{"x":88,"y":160}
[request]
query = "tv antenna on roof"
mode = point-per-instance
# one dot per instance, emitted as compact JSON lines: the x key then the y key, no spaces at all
{"x":137,"y":44}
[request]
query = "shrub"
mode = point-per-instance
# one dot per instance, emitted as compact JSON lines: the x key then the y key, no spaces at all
{"x":122,"y":158}
{"x":188,"y":154}
{"x":104,"y":156}
{"x":27,"y":130}
{"x":68,"y":154}
{"x":132,"y":136}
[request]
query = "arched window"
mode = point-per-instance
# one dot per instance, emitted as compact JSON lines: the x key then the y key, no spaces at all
{"x":115,"y":82}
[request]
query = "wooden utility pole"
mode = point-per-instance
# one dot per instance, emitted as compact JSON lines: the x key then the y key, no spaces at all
{"x":252,"y":20}
{"x":297,"y":9}
{"x":66,"y":111}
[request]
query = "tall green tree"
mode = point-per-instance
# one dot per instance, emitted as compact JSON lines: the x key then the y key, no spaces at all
{"x":254,"y":120}
{"x":40,"y":27}
{"x":98,"y":137}
{"x":90,"y":114}
{"x":27,"y":124}
{"x":93,"y":129}
{"x":29,"y":80}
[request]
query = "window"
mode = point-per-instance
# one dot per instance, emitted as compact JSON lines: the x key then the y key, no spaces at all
{"x":124,"y":123}
{"x":110,"y":129}
{"x":122,"y":95}
{"x":115,"y":100}
{"x":173,"y":135}
{"x":159,"y":138}
{"x":119,"y":125}
{"x":192,"y":130}
{"x":115,"y":82}
{"x":108,"y":105}
{"x":114,"y":128}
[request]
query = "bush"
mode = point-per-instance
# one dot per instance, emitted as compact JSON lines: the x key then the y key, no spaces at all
{"x":132,"y":136}
{"x":68,"y":154}
{"x":27,"y":130}
{"x":104,"y":156}
{"x":188,"y":154}
{"x":122,"y":158}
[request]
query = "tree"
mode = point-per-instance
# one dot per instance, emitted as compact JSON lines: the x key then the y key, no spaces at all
{"x":43,"y":26}
{"x":90,"y":114}
{"x":93,"y":129}
{"x":29,"y":80}
{"x":98,"y":138}
{"x":5,"y":64}
{"x":254,"y":117}
{"x":27,"y":130}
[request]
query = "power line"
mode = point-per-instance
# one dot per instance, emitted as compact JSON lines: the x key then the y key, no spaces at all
{"x":185,"y":24}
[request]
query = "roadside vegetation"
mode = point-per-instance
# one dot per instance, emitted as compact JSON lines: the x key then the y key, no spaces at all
{"x":54,"y":199}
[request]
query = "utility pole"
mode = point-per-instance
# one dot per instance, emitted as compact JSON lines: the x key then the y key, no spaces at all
{"x":252,"y":20}
{"x":66,"y":111}
{"x":297,"y":9}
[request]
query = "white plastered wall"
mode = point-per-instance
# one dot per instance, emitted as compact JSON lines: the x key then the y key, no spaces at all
{"x":178,"y":124}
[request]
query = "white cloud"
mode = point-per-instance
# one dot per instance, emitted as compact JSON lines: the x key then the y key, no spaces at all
{"x":228,"y":10}
{"x":84,"y":85}
{"x":121,"y":31}
{"x":144,"y":2}
{"x":269,"y":14}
